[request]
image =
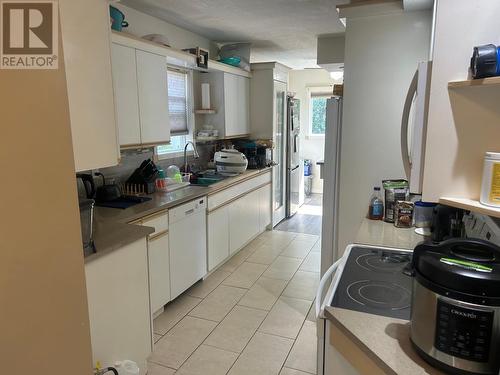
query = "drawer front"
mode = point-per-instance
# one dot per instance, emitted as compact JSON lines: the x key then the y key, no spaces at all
{"x":237,"y":190}
{"x":158,"y":221}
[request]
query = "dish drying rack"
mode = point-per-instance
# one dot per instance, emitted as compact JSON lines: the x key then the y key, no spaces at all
{"x":170,"y":184}
{"x":137,"y":189}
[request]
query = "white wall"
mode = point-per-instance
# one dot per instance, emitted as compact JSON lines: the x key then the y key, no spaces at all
{"x":381,"y":57}
{"x":141,"y":24}
{"x":311,"y":147}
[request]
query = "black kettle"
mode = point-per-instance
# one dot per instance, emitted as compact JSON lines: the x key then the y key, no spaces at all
{"x":107,"y":192}
{"x":85,"y":185}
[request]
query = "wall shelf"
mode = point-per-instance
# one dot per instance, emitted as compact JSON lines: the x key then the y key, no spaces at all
{"x":470,"y":205}
{"x":491,"y":81}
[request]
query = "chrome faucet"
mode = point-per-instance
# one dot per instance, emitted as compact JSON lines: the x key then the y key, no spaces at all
{"x":196,"y":155}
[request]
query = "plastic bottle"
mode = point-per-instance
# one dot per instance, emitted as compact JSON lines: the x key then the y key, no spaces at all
{"x":376,"y":208}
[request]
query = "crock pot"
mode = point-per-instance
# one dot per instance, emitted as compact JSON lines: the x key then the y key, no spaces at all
{"x":455,"y":315}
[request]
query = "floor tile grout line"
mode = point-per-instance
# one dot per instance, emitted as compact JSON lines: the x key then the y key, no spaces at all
{"x":237,"y":304}
{"x":205,"y":339}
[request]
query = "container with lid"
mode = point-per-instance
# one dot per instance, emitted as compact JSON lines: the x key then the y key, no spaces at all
{"x":423,"y":214}
{"x":490,"y":187}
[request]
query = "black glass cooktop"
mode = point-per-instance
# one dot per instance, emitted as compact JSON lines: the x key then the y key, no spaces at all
{"x":373,"y":282}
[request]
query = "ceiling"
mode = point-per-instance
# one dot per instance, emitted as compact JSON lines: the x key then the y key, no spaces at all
{"x":280,"y":30}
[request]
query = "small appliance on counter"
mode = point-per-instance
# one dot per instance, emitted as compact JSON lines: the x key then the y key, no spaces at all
{"x":86,"y":224}
{"x":112,"y":195}
{"x":85,"y":185}
{"x":107,"y":191}
{"x":455,"y":313}
{"x":230,"y":162}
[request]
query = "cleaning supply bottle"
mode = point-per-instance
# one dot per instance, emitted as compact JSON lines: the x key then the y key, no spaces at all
{"x":376,"y":208}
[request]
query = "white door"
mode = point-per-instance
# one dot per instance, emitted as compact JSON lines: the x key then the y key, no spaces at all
{"x":153,"y":97}
{"x":243,"y":124}
{"x":218,"y":236}
{"x":279,"y":152}
{"x":126,"y":94}
{"x":244,"y":217}
{"x":237,"y":225}
{"x":89,"y":83}
{"x":159,"y":271}
{"x":231,"y":104}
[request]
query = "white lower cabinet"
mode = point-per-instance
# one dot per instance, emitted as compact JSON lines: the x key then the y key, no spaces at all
{"x":237,"y":215}
{"x":159,"y":271}
{"x":243,"y":220}
{"x":119,"y":312}
{"x":265,"y":212}
{"x":218,"y":236}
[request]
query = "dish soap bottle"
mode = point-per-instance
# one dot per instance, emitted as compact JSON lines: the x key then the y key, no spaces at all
{"x":376,"y":209}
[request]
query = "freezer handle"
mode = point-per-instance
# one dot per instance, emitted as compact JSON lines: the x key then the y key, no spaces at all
{"x":405,"y":123}
{"x":322,"y":283}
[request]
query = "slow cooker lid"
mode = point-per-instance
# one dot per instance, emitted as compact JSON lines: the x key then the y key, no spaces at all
{"x":470,"y":266}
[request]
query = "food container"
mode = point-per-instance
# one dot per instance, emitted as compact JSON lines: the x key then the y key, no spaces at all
{"x":423,"y":214}
{"x":403,"y":214}
{"x":395,"y":190}
{"x":490,"y":187}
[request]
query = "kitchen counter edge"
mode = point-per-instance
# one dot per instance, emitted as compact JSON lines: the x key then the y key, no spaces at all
{"x":385,"y":341}
{"x":114,"y":228}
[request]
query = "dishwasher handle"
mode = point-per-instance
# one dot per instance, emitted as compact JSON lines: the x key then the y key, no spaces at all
{"x":189,"y":212}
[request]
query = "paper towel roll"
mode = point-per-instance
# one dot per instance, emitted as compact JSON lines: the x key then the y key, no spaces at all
{"x":205,"y":96}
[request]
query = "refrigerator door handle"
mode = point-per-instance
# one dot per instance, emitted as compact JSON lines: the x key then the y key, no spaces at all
{"x":405,"y":153}
{"x":295,"y":147}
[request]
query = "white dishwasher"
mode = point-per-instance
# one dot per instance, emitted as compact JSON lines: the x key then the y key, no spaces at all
{"x":188,"y":245}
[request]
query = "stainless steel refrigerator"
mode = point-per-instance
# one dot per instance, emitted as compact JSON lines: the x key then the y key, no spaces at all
{"x":293,"y":161}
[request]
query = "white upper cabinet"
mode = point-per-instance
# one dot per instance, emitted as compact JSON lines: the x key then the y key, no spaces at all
{"x":88,"y":75}
{"x":230,"y":97}
{"x":153,"y":97}
{"x":126,"y":94}
{"x":141,"y":96}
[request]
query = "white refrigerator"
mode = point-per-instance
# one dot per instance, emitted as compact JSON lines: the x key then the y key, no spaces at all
{"x":331,"y":175}
{"x":329,"y":237}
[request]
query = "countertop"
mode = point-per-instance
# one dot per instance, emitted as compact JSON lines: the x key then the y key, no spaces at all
{"x":380,"y":233}
{"x":112,"y":228}
{"x":385,"y":340}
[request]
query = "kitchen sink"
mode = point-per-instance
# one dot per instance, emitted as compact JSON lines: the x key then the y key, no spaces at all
{"x":206,"y":178}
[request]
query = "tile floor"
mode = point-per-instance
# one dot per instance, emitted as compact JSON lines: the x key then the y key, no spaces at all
{"x":251,"y":316}
{"x":307,"y":219}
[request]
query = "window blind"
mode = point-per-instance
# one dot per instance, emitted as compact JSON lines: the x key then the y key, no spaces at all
{"x":178,"y":102}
